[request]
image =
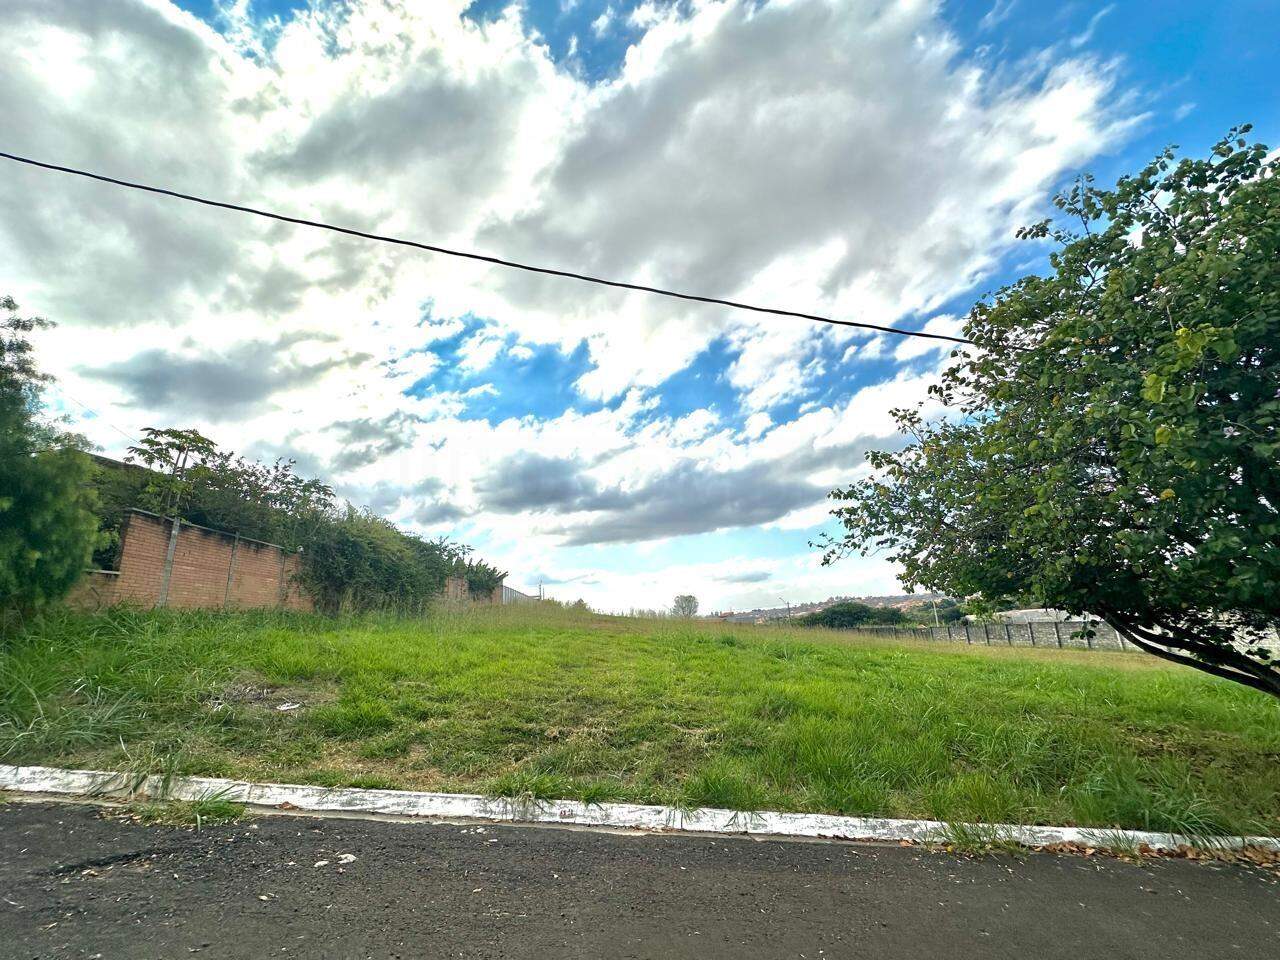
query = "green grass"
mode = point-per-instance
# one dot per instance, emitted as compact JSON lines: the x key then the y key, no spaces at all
{"x":535,"y":703}
{"x":186,"y":813}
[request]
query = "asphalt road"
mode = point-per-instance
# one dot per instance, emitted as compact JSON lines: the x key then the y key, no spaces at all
{"x":75,"y":882}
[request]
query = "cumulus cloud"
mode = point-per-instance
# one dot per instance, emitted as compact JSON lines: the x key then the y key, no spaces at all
{"x":900,"y":205}
{"x":691,"y":499}
{"x":708,"y":161}
{"x":531,"y":481}
{"x":366,"y":440}
{"x":217,"y":386}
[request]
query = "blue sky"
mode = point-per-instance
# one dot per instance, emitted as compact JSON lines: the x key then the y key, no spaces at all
{"x":859,"y":159}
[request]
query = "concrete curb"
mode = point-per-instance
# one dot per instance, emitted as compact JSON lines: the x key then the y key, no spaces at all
{"x":627,"y":816}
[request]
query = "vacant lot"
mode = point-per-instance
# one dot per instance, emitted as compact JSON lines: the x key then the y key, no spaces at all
{"x":543,"y":702}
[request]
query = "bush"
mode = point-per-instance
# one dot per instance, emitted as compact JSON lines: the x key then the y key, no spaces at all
{"x":849,"y":614}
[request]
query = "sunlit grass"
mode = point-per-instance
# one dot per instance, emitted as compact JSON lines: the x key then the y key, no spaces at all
{"x":536,"y":703}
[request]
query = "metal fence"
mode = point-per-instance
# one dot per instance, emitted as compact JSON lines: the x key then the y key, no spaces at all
{"x":1081,"y":634}
{"x":512,"y":595}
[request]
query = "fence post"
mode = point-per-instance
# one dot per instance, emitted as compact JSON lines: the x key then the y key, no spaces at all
{"x":231,"y":571}
{"x":283,"y":587}
{"x":968,"y":637}
{"x":1031,"y":632}
{"x":167,"y":573}
{"x":1057,"y":632}
{"x":1008,"y":633}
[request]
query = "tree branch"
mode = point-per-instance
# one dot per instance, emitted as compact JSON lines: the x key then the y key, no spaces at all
{"x":1268,"y":682}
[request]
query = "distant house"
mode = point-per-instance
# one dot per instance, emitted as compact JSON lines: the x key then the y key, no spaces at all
{"x":1039,"y":615}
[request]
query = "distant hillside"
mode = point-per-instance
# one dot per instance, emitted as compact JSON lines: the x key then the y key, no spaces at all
{"x":903,"y":601}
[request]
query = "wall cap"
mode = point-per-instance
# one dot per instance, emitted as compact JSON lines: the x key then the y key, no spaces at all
{"x":222,"y":533}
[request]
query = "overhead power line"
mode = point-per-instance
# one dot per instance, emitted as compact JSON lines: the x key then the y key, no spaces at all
{"x":483,"y":258}
{"x":88,"y":409}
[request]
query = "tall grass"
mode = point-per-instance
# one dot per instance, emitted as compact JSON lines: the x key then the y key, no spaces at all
{"x":535,"y":702}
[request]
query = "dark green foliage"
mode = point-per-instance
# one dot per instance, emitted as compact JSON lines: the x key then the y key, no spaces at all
{"x":168,"y":454}
{"x":47,"y":527}
{"x":119,"y":488}
{"x":482,"y":579}
{"x":1114,"y":445}
{"x":848,"y":614}
{"x":946,"y":610}
{"x":356,"y":560}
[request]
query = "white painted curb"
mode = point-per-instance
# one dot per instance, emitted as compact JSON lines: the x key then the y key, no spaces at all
{"x":629,"y":816}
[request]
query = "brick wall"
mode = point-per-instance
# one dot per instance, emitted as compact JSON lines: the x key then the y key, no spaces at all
{"x":455,"y":589}
{"x":95,"y":590}
{"x":208,"y":568}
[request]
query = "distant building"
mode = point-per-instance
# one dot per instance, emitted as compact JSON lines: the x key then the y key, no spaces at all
{"x":1038,"y":615}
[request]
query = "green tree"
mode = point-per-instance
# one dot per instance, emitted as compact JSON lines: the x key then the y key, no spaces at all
{"x":685,"y":605}
{"x":1112,"y":445}
{"x":47,"y":526}
{"x":170,"y":453}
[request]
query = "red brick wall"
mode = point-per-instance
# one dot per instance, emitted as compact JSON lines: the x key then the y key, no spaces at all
{"x":95,"y":590}
{"x":200,"y":562}
{"x":144,"y":542}
{"x":261,"y":574}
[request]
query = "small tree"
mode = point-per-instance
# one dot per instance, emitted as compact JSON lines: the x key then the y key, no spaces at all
{"x":47,"y":527}
{"x":169,"y":453}
{"x":1113,"y":447}
{"x":685,"y":605}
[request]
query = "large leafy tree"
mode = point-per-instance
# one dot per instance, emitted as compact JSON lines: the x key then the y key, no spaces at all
{"x":1112,"y":445}
{"x":47,"y":526}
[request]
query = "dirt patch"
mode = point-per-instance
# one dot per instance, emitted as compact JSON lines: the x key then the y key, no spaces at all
{"x":269,"y":697}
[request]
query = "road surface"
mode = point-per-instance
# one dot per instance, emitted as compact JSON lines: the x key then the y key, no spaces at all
{"x":76,"y":881}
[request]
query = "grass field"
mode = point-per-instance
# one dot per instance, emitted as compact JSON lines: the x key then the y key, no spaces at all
{"x":537,"y":701}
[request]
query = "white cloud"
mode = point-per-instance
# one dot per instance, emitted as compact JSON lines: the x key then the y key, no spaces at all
{"x":999,"y":12}
{"x":944,"y":324}
{"x":1085,"y":35}
{"x":868,"y":350}
{"x":684,"y":170}
{"x":601,"y":24}
{"x":756,"y":424}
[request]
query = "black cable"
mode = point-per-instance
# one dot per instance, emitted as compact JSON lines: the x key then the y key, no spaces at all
{"x":484,"y":258}
{"x":88,"y":409}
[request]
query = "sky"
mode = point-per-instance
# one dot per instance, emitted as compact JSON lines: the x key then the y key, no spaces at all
{"x":865,"y":160}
